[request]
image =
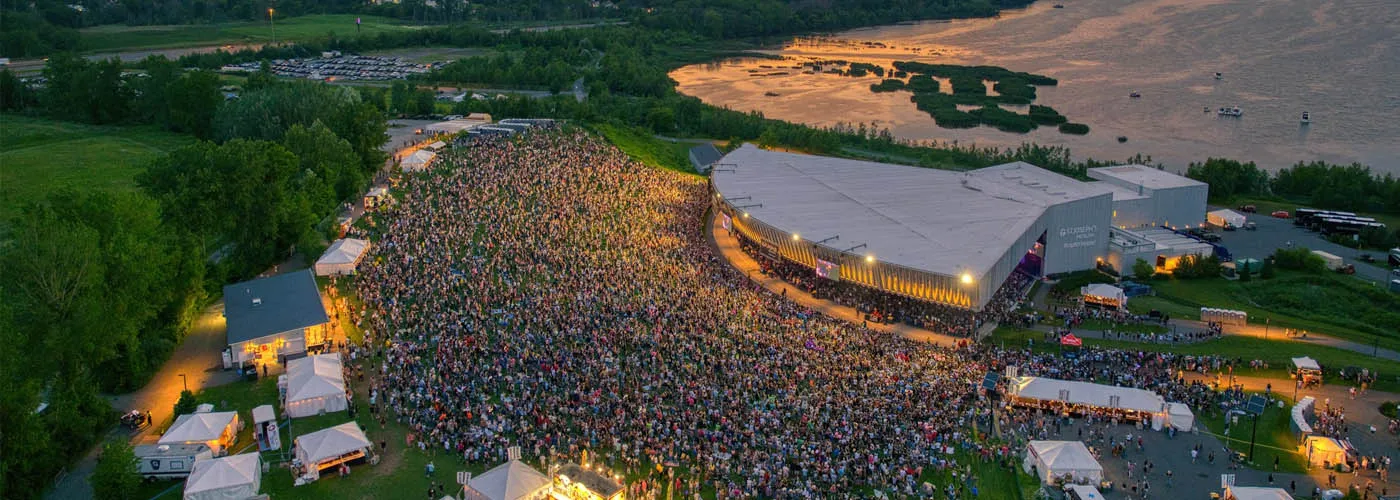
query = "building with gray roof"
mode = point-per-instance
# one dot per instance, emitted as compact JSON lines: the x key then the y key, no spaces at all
{"x":271,"y":318}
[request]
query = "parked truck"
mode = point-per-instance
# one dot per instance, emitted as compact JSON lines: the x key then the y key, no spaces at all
{"x":1334,"y":262}
{"x":169,"y":461}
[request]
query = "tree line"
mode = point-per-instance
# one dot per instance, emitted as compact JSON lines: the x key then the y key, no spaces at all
{"x":1318,"y":184}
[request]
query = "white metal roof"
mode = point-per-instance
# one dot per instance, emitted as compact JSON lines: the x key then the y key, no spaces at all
{"x":934,"y":220}
{"x":1142,"y":175}
{"x":1086,"y":393}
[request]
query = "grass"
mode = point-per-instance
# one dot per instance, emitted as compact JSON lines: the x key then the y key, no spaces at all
{"x":112,"y":38}
{"x":39,"y":156}
{"x":1278,"y":353}
{"x":1332,"y":305}
{"x":1274,"y":438}
{"x":647,"y":149}
{"x":1099,"y":325}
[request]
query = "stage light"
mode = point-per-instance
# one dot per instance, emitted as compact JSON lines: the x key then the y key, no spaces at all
{"x":967,"y":278}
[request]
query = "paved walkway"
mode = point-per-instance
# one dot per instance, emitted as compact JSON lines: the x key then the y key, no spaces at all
{"x":727,"y":247}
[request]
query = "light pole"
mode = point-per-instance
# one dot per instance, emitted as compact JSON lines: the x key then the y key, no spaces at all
{"x":185,"y":382}
{"x":273,"y":25}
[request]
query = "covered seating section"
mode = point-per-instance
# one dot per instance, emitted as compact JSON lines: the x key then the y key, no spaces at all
{"x":1103,"y":295}
{"x":1082,"y":398}
{"x":315,"y":386}
{"x":330,"y":447}
{"x":513,"y":480}
{"x":217,"y":430}
{"x":235,"y":477}
{"x":341,"y":257}
{"x":1062,"y":462}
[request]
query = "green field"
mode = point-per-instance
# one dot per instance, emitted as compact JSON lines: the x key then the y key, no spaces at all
{"x":111,"y":38}
{"x":1333,"y":305}
{"x":647,"y":149}
{"x":38,"y":156}
{"x":1278,"y":353}
{"x":1274,"y":438}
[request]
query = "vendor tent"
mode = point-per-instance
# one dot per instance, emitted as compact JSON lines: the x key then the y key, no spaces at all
{"x":1077,"y":393}
{"x":1083,"y":492}
{"x":1070,"y":340}
{"x":342,"y":257}
{"x":1306,"y":363}
{"x":315,"y":385}
{"x":215,"y":430}
{"x":418,"y":160}
{"x":1324,"y":451}
{"x":236,"y":477}
{"x":328,"y":445}
{"x":1179,"y":416}
{"x":1054,"y":460}
{"x":1225,"y":217}
{"x":513,"y":480}
{"x":1103,"y":294}
{"x":1256,"y":493}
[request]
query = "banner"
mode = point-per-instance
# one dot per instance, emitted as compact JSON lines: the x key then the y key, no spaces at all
{"x":828,"y":270}
{"x":725,"y":221}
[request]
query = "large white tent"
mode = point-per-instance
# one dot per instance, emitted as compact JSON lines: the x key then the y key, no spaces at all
{"x":326,"y":446}
{"x":315,"y":385}
{"x":1256,"y":493}
{"x":1324,"y":451}
{"x":1104,"y":294}
{"x":513,"y":480}
{"x":216,"y":430}
{"x":418,"y":160}
{"x":341,"y":257}
{"x":1180,"y":416}
{"x":235,"y":477}
{"x":1056,"y":459}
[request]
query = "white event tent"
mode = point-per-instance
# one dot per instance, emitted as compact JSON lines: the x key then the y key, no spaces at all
{"x":327,"y":447}
{"x":1180,"y":416}
{"x":341,"y":257}
{"x":513,"y":480}
{"x":1256,"y":493}
{"x":418,"y":160}
{"x":315,"y":385}
{"x":1054,"y":460}
{"x":235,"y":477}
{"x":1104,"y":294}
{"x":216,"y":430}
{"x":1083,"y":492}
{"x":1323,"y":451}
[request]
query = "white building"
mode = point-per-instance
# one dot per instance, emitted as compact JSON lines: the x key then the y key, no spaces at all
{"x":269,"y":318}
{"x":1144,"y":196}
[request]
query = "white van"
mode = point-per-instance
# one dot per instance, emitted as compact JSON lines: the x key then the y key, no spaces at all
{"x":167,"y":461}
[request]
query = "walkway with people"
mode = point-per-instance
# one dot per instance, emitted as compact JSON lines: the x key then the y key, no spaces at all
{"x":727,"y":246}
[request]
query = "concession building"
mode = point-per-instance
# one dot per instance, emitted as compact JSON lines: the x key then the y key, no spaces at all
{"x":936,"y":235}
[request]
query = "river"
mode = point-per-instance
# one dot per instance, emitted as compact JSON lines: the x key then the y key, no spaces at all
{"x":1336,"y":59}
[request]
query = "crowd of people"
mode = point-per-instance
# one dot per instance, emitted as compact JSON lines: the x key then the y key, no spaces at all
{"x":550,"y":293}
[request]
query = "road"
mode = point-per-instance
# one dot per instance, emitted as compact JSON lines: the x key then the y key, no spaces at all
{"x":198,"y":358}
{"x":1260,"y":331}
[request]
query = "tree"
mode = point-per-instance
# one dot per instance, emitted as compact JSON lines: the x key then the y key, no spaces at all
{"x":116,"y":476}
{"x":1267,"y":271}
{"x":186,"y":404}
{"x":1244,"y":273}
{"x":1143,"y":270}
{"x":1228,"y":178}
{"x":194,"y":99}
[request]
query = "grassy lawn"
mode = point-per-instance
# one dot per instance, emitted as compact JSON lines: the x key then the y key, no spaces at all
{"x":1100,"y":325}
{"x":1278,"y":353}
{"x":38,"y":156}
{"x":650,"y":150}
{"x":1332,"y":305}
{"x":1274,"y":438}
{"x":112,"y":38}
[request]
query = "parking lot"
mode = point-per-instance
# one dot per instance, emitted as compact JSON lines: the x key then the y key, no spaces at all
{"x":1274,"y":233}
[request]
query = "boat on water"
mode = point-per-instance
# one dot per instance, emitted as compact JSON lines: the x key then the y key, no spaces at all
{"x":1230,"y":111}
{"x":1305,"y":119}
{"x":771,"y":94}
{"x":1135,"y":95}
{"x":1219,"y":76}
{"x":1059,"y":6}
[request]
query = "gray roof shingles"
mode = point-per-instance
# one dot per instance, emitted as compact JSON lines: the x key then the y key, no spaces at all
{"x":287,"y":302}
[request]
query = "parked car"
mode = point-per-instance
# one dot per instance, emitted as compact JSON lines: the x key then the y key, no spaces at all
{"x":1250,"y":226}
{"x":1281,"y":214}
{"x":1248,"y":208}
{"x":1210,"y":237}
{"x":1366,"y":257}
{"x":1347,"y":269}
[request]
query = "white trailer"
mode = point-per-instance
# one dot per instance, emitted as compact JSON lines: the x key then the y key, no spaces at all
{"x":169,"y":461}
{"x":1333,"y":262}
{"x":1225,"y":218}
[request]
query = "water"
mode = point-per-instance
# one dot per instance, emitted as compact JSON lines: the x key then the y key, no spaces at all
{"x":1337,"y":59}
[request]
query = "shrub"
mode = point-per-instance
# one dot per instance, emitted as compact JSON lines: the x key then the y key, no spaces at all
{"x":1004,"y":120}
{"x":1299,"y":259}
{"x":1143,"y":270}
{"x":1267,"y":271}
{"x":1196,"y":267}
{"x":116,"y":477}
{"x":891,"y":85}
{"x":186,"y":404}
{"x":1046,"y":115}
{"x":1074,"y":128}
{"x":970,"y":85}
{"x":1389,"y":409}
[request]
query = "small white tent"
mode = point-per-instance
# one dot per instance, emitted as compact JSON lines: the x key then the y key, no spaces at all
{"x":327,"y":447}
{"x":418,"y":160}
{"x":1083,"y":492}
{"x":1056,"y":459}
{"x":1256,"y":493}
{"x":236,"y":477}
{"x":1225,"y":217}
{"x":341,"y":257}
{"x":1180,"y":416}
{"x":513,"y":480}
{"x":1104,"y":294}
{"x":1324,"y":451}
{"x":315,"y":385}
{"x":215,"y":430}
